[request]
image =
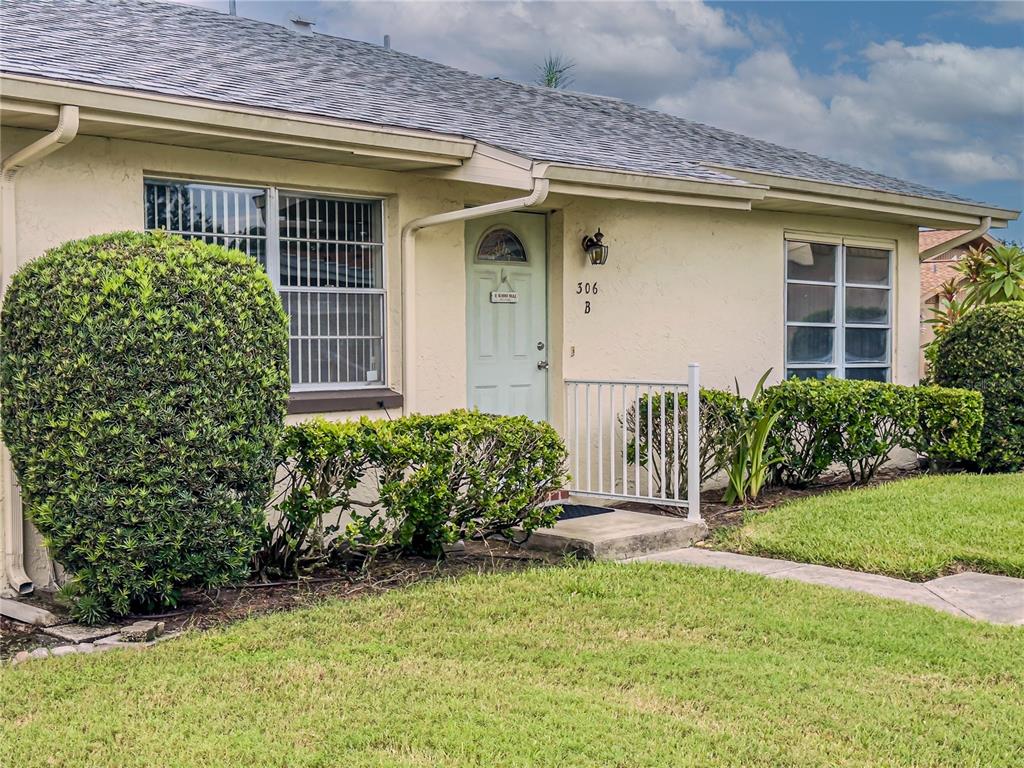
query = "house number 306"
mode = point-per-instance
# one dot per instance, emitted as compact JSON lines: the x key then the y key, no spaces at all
{"x":586,"y":289}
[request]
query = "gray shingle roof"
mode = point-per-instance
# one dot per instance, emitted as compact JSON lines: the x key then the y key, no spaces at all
{"x":181,"y":50}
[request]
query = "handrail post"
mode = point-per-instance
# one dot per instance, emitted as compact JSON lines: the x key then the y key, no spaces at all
{"x":693,"y":443}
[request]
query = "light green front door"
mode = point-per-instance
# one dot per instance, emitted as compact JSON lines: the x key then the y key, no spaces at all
{"x":506,"y":315}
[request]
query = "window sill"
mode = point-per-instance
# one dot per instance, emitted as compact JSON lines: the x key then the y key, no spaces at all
{"x":344,"y":400}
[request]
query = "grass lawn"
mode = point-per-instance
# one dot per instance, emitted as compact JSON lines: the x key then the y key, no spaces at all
{"x":913,"y":529}
{"x":595,"y":665}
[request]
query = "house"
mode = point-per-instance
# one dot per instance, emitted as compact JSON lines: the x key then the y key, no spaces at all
{"x":425,"y":226}
{"x":941,"y":249}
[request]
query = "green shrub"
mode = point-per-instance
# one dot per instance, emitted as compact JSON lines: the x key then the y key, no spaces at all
{"x":720,"y":414}
{"x":984,"y":351}
{"x":413,"y":484}
{"x":805,"y":436}
{"x":320,"y":464}
{"x":855,"y":423}
{"x":879,"y":417}
{"x":949,"y":423}
{"x":751,"y":456}
{"x":143,"y":386}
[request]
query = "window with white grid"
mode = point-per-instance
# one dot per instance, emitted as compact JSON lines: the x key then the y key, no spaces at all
{"x":325,"y":254}
{"x":838,"y":311}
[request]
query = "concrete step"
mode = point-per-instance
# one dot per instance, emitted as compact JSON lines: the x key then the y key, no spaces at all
{"x":617,"y":535}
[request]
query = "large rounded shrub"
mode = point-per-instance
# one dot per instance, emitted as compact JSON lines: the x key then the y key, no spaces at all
{"x":984,"y":351}
{"x":143,"y":386}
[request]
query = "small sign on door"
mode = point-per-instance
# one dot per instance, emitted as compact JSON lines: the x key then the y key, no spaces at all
{"x":504,"y":297}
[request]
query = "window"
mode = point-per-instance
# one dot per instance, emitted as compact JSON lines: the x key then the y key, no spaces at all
{"x":838,"y":311}
{"x":501,"y":245}
{"x":325,"y":255}
{"x":230,"y":216}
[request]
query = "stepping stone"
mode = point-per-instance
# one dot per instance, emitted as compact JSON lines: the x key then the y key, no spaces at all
{"x":617,"y":535}
{"x":142,"y":631}
{"x":79,"y":633}
{"x":998,"y":599}
{"x":27,"y":614}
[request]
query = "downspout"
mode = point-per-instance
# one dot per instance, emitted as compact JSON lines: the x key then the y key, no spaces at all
{"x":13,"y":524}
{"x":537,"y":195}
{"x":957,"y":241}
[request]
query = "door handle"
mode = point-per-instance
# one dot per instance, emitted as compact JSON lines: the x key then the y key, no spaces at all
{"x":542,"y":365}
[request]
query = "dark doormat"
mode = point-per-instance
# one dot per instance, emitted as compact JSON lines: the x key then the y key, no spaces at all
{"x":571,"y":511}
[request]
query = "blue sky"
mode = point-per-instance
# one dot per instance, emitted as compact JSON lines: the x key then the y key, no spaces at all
{"x":930,"y":91}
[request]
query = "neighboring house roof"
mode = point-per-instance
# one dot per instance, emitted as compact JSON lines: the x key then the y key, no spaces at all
{"x":184,"y":51}
{"x":942,"y":267}
{"x":929,"y":238}
{"x":934,"y":273}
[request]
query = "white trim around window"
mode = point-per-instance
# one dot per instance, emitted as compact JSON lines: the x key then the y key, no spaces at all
{"x":325,"y":255}
{"x":838,"y":305}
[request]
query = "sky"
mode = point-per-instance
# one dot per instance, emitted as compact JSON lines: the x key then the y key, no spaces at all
{"x":927,"y":91}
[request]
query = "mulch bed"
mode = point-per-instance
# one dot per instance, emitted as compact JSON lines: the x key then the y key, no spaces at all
{"x":204,"y":609}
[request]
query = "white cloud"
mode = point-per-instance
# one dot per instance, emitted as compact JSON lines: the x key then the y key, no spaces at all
{"x":625,"y":49}
{"x":938,"y":112}
{"x":998,"y":13}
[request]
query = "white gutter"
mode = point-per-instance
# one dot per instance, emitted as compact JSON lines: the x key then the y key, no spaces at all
{"x":13,"y":524}
{"x":536,"y":196}
{"x":957,"y":241}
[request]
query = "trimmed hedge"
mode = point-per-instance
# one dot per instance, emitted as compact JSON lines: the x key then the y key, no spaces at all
{"x":320,"y":463}
{"x":984,"y":351}
{"x":413,"y":484}
{"x":805,"y":436}
{"x":143,"y":386}
{"x":858,"y":423}
{"x":882,"y":417}
{"x":461,"y":475}
{"x":949,"y":423}
{"x":855,"y":423}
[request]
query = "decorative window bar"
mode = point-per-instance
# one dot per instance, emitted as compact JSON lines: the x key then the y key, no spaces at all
{"x":325,"y":254}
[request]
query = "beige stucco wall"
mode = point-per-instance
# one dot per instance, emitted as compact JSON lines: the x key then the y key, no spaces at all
{"x":703,"y":285}
{"x":682,"y":284}
{"x":95,"y":185}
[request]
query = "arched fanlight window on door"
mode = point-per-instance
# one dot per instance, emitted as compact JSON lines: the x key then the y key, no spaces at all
{"x":501,"y":244}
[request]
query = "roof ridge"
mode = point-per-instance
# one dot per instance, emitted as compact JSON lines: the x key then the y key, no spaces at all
{"x":137,"y":45}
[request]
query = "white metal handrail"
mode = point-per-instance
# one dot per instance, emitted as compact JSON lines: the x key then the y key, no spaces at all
{"x":626,"y":440}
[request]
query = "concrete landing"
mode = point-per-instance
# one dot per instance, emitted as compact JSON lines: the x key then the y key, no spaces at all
{"x":617,"y":534}
{"x":996,"y":599}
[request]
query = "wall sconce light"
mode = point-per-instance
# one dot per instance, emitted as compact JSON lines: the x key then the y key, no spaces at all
{"x":595,"y":249}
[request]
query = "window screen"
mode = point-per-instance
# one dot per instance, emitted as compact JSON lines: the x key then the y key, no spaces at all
{"x":325,"y":254}
{"x":332,"y":287}
{"x":838,"y":311}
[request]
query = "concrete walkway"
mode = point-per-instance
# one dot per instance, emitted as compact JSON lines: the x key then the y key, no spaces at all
{"x":996,"y":599}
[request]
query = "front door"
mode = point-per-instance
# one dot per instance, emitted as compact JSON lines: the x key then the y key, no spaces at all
{"x":506,"y":314}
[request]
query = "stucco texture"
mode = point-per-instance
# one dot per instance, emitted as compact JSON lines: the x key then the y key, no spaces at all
{"x":682,"y":283}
